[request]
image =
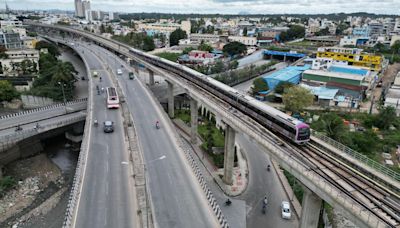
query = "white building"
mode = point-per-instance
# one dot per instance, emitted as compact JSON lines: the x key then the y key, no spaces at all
{"x":15,"y":57}
{"x":248,"y":41}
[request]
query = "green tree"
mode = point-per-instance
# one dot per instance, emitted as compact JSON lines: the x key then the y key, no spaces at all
{"x":297,"y":98}
{"x":234,"y":48}
{"x":233,"y":64}
{"x":109,"y":29}
{"x":7,"y":91}
{"x":187,"y":50}
{"x":177,"y":35}
{"x":63,"y":72}
{"x":218,"y":67}
{"x":294,"y":32}
{"x":53,"y":49}
{"x":205,"y":47}
{"x":102,"y":28}
{"x":332,"y":125}
{"x":259,"y":85}
{"x":282,"y":86}
{"x":386,"y":117}
{"x":148,"y":44}
{"x":396,"y":47}
{"x":323,"y":32}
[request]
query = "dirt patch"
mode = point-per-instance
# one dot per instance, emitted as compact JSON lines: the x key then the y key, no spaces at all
{"x":38,"y":178}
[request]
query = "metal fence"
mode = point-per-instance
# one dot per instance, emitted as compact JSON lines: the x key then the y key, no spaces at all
{"x":360,"y":157}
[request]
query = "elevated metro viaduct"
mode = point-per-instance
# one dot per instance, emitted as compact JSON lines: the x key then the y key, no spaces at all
{"x":318,"y":188}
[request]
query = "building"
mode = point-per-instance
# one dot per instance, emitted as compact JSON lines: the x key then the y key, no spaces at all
{"x":353,"y":41}
{"x":165,"y":28}
{"x":353,"y":57}
{"x":376,"y":28}
{"x":196,"y":57}
{"x":29,"y":42}
{"x":361,"y":31}
{"x":10,"y":64}
{"x":248,"y":41}
{"x":324,"y":40}
{"x":392,"y":97}
{"x":10,"y":24}
{"x":10,"y":40}
{"x":351,"y":81}
{"x":207,"y":38}
{"x":81,"y":8}
{"x":287,"y":74}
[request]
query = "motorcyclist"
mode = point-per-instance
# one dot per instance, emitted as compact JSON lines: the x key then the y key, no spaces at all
{"x":95,"y":122}
{"x":100,"y":78}
{"x":268,"y":167}
{"x":157,"y":124}
{"x":102,"y":89}
{"x":265,"y":201}
{"x":18,"y":128}
{"x":228,"y":202}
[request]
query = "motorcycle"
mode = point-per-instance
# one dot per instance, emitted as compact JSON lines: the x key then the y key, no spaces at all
{"x":264,"y":207}
{"x":157,"y":125}
{"x":268,"y":167}
{"x":18,"y":128}
{"x":96,"y":123}
{"x":228,"y":202}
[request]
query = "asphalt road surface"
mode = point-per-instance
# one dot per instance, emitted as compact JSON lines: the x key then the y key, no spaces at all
{"x":107,"y":198}
{"x":177,"y":198}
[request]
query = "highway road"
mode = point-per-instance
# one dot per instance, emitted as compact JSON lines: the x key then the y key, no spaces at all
{"x":263,"y":183}
{"x":107,"y":198}
{"x":42,"y":122}
{"x":177,"y":198}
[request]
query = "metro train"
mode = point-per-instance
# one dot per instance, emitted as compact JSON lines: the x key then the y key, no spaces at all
{"x":271,"y":118}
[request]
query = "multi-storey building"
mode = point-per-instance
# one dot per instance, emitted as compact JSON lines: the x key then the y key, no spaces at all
{"x":353,"y":56}
{"x":10,"y":40}
{"x":165,"y":28}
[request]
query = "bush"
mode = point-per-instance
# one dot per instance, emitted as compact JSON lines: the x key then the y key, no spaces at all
{"x":6,"y":183}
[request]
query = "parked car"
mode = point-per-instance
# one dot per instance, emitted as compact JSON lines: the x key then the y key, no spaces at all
{"x":285,"y":207}
{"x":108,"y":126}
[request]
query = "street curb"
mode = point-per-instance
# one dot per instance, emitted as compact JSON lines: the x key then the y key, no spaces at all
{"x":288,"y":190}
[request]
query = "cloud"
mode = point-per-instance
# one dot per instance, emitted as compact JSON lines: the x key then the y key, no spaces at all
{"x":221,"y":6}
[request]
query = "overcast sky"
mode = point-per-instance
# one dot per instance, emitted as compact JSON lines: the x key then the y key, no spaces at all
{"x":221,"y":6}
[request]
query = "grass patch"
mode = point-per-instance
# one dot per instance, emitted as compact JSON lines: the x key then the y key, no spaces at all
{"x":212,"y":137}
{"x":169,"y":55}
{"x":183,"y":114}
{"x":297,"y":189}
{"x":6,"y":183}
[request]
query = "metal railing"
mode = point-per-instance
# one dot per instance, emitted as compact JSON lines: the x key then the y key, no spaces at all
{"x":47,"y":107}
{"x":308,"y":177}
{"x":9,"y":140}
{"x":360,"y":157}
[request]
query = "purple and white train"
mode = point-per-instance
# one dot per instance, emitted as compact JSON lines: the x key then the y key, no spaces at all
{"x":271,"y":118}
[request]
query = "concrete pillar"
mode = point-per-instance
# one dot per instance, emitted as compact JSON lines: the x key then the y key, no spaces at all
{"x":284,"y":58}
{"x":229,"y":154}
{"x":151,"y":78}
{"x":194,"y":116}
{"x":171,"y":105}
{"x":1,"y":171}
{"x":311,"y":207}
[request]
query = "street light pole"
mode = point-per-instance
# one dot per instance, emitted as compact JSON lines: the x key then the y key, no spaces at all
{"x":64,"y":99}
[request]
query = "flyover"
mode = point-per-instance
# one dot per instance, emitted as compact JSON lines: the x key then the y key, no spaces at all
{"x":364,"y":213}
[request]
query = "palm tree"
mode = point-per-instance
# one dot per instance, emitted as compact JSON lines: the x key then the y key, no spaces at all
{"x":63,"y":72}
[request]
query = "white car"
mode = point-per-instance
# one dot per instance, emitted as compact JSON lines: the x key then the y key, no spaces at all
{"x":285,"y":207}
{"x":119,"y":71}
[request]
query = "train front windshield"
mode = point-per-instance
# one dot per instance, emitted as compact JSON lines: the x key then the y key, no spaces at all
{"x":304,"y":133}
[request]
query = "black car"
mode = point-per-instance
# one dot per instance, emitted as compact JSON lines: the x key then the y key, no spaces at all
{"x":108,"y":126}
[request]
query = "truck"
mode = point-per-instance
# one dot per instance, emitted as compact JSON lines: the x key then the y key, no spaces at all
{"x":131,"y":75}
